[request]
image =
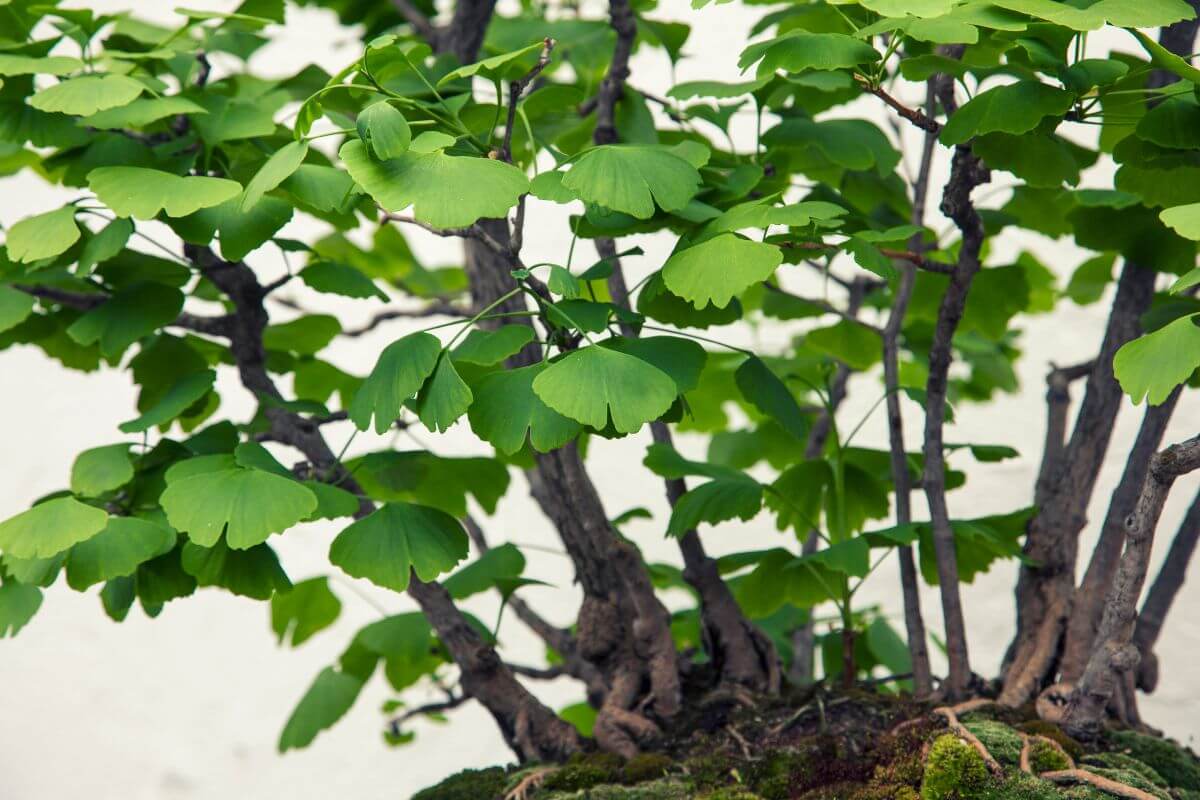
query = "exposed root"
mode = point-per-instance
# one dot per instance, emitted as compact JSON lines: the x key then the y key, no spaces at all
{"x":530,"y":783}
{"x":1027,"y":749}
{"x":620,"y":731}
{"x":967,"y":706}
{"x":1052,"y":702}
{"x":1115,"y":788}
{"x":1032,"y":667}
{"x":950,"y":713}
{"x":741,"y":740}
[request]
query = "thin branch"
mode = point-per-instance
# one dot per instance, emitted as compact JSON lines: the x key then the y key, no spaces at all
{"x":434,"y":309}
{"x":825,"y":306}
{"x":419,"y":22}
{"x":622,"y":20}
{"x":78,"y":300}
{"x":917,"y":259}
{"x":913,"y":115}
{"x":516,"y":89}
{"x":454,"y":701}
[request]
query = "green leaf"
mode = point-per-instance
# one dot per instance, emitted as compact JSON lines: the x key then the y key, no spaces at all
{"x":590,"y":384}
{"x":385,"y":130}
{"x":46,"y":65}
{"x":15,"y":307}
{"x":444,"y":191}
{"x":444,"y":398}
{"x":1014,"y":108}
{"x":396,"y":540}
{"x":887,"y":646}
{"x":399,"y":373}
{"x":1154,"y":364}
{"x":852,"y":343}
{"x":118,"y":550}
{"x":253,"y":572}
{"x":657,"y":302}
{"x":142,"y":112}
{"x":106,"y":244}
{"x":303,"y":611}
{"x":1189,"y":280}
{"x":278,"y":168}
{"x":18,"y":604}
{"x":917,"y":8}
{"x":305,"y":335}
{"x":101,"y":470}
{"x":715,"y":502}
{"x":506,"y":409}
{"x":562,"y":283}
{"x":1173,"y":123}
{"x":326,"y":701}
{"x":141,"y":193}
{"x":248,"y":505}
{"x":332,"y":502}
{"x":490,"y":67}
{"x":715,"y":89}
{"x":49,"y":528}
{"x":330,"y":277}
{"x":632,"y":178}
{"x":682,"y":359}
{"x":766,"y":392}
{"x":1165,"y":59}
{"x":42,"y":236}
{"x":181,"y":396}
{"x":488,"y":348}
{"x":127,"y":316}
{"x":88,"y":94}
{"x":717,"y":270}
{"x":494,"y":566}
{"x":1185,"y":220}
{"x":796,"y":51}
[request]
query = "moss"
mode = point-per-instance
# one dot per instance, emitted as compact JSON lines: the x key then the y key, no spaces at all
{"x":1051,"y":731}
{"x":470,"y":784}
{"x":646,"y":767}
{"x":1116,"y":760}
{"x":1178,"y":767}
{"x":1020,"y":786}
{"x":584,"y":772}
{"x":730,"y":793}
{"x":1045,"y":757}
{"x":1001,"y":741}
{"x":710,"y":771}
{"x":654,"y":790}
{"x":953,"y":771}
{"x":772,"y":777}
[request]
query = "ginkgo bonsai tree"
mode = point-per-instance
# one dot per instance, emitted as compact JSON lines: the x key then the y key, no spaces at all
{"x":462,"y":123}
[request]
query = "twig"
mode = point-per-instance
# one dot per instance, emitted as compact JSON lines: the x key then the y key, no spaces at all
{"x":454,"y":701}
{"x":824,"y":306}
{"x":922,"y":262}
{"x":516,"y":89}
{"x":435,"y":309}
{"x":741,"y":740}
{"x":539,"y":673}
{"x":913,"y":115}
{"x":530,"y":783}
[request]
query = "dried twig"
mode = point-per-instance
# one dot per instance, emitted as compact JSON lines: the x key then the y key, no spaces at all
{"x":919,"y":260}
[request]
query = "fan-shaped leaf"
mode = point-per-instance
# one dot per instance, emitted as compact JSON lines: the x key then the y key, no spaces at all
{"x":1153,"y":365}
{"x":717,"y":270}
{"x":88,"y":94}
{"x":400,"y":372}
{"x":141,"y":193}
{"x":278,"y":168}
{"x":632,"y":178}
{"x":385,"y":129}
{"x":306,"y":609}
{"x":506,"y":409}
{"x":101,"y":470}
{"x":42,"y":236}
{"x":326,"y":701}
{"x":594,"y":383}
{"x":248,"y":505}
{"x":1014,"y":108}
{"x":396,"y":540}
{"x":117,"y":550}
{"x":49,"y":528}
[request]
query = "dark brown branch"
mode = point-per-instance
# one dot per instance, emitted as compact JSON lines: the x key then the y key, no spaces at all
{"x":515,"y":90}
{"x":913,"y":115}
{"x":1114,"y":653}
{"x":214,"y":326}
{"x":1088,"y":604}
{"x":825,"y":306}
{"x":396,"y":723}
{"x":1058,"y":401}
{"x":419,"y":22}
{"x":1162,"y":595}
{"x":434,"y":309}
{"x":613,"y":86}
{"x":966,"y":173}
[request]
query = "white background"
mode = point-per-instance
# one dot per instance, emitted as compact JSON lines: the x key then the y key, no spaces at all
{"x":190,"y":705}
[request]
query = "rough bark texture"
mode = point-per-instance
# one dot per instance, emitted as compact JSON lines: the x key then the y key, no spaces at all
{"x":1088,"y":604}
{"x":1052,"y":539}
{"x":1162,"y":595}
{"x":967,"y":172}
{"x":1114,"y":654}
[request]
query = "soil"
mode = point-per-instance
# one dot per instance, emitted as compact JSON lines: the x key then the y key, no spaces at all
{"x":852,"y":745}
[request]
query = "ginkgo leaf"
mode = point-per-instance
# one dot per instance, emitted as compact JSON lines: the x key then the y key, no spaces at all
{"x":506,"y":410}
{"x":124,"y":544}
{"x":49,"y":528}
{"x":142,"y":111}
{"x":1013,"y":108}
{"x":88,"y":94}
{"x":444,"y":398}
{"x":632,"y":178}
{"x":278,"y":168}
{"x":253,"y":572}
{"x":399,"y":373}
{"x":682,"y":359}
{"x":796,"y":51}
{"x":397,"y":540}
{"x":490,"y":67}
{"x":18,"y":604}
{"x":766,"y":392}
{"x":385,"y":129}
{"x":1140,"y":14}
{"x":333,"y":278}
{"x":720,"y":268}
{"x":141,"y":193}
{"x":482,"y":574}
{"x":248,"y":505}
{"x":1153,"y":365}
{"x":715,"y":502}
{"x":917,"y":8}
{"x":487,"y":348}
{"x":15,"y":307}
{"x":326,"y":701}
{"x":101,"y":470}
{"x":46,"y":65}
{"x":444,"y":191}
{"x":306,"y":609}
{"x":177,"y":400}
{"x":1185,"y":220}
{"x":127,"y":316}
{"x":590,"y":384}
{"x":42,"y":236}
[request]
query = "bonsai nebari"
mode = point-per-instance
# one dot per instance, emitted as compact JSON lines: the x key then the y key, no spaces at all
{"x":463,"y":125}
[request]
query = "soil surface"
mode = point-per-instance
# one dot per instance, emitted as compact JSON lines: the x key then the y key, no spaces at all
{"x":855,"y":745}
